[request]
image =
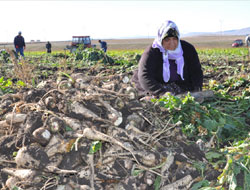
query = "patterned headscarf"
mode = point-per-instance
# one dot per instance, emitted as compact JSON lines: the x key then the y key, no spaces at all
{"x":176,"y":54}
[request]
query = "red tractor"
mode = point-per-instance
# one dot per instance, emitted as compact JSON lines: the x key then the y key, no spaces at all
{"x":77,"y":41}
{"x":237,"y":43}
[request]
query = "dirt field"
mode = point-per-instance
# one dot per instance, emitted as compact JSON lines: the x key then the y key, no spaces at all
{"x":199,"y":42}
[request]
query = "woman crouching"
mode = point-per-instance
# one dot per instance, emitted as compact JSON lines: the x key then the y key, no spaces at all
{"x":168,"y":65}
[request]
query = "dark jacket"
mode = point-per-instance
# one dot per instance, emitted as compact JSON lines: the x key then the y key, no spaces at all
{"x":103,"y":44}
{"x":48,"y":45}
{"x":149,"y":76}
{"x":19,"y":42}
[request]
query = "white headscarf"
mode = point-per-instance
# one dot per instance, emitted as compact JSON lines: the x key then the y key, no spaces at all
{"x":176,"y":54}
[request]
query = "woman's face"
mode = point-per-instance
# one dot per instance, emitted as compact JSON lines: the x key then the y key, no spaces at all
{"x":170,"y":43}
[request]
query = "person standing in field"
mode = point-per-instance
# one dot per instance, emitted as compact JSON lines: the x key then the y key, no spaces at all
{"x":169,"y":65}
{"x":48,"y":47}
{"x":19,"y":44}
{"x":103,"y":45}
{"x":247,"y":40}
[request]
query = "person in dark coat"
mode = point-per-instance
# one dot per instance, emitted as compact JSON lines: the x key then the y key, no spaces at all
{"x":48,"y":47}
{"x":19,"y":44}
{"x":168,"y":65}
{"x":103,"y":45}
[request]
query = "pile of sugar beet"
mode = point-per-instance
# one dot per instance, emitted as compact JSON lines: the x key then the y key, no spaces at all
{"x":87,"y":132}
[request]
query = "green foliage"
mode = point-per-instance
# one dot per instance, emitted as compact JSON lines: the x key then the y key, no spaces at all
{"x":246,"y":180}
{"x":223,"y":119}
{"x":20,"y":83}
{"x":14,"y":154}
{"x":92,"y":56}
{"x":209,"y":188}
{"x":128,"y":58}
{"x":203,"y":183}
{"x":5,"y":85}
{"x":4,"y":56}
{"x":95,"y":146}
{"x":229,"y":174}
{"x":66,"y":75}
{"x":172,"y":103}
{"x":121,"y":53}
{"x":238,"y":163}
{"x":157,"y":183}
{"x":136,"y":172}
{"x":213,"y":155}
{"x":17,"y":188}
{"x":215,"y":52}
{"x":204,"y":121}
{"x":200,"y":166}
{"x":68,"y":128}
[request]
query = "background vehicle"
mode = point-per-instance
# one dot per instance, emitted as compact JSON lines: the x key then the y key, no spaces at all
{"x":77,"y":41}
{"x":237,"y":43}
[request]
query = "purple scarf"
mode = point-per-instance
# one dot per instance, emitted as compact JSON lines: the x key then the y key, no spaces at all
{"x":176,"y":54}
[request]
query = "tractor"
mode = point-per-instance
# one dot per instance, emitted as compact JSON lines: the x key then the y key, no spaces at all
{"x":78,"y":41}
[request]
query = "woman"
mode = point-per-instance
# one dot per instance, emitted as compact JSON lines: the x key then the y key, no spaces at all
{"x":168,"y":65}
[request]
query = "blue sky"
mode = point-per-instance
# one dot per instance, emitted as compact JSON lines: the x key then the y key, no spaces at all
{"x":60,"y":20}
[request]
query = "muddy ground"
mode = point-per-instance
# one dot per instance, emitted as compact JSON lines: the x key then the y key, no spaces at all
{"x":47,"y":137}
{"x":92,"y":131}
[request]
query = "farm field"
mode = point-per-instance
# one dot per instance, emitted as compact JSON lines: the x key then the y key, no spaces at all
{"x":200,"y":42}
{"x":75,"y":121}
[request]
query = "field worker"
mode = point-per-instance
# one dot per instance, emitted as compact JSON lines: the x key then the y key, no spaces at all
{"x":247,"y":40}
{"x":48,"y":47}
{"x":168,"y":65}
{"x":103,"y":45}
{"x":19,"y":44}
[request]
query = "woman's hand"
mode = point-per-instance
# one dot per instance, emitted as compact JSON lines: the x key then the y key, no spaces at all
{"x":172,"y":88}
